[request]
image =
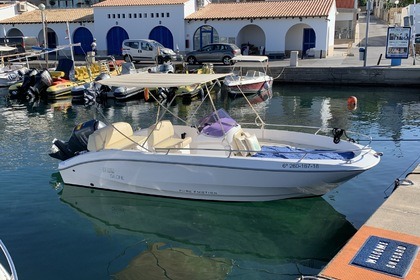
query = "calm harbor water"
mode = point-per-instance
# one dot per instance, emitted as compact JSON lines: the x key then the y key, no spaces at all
{"x":55,"y":231}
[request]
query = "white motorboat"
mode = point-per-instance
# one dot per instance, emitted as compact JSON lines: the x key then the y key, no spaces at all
{"x":7,"y":272}
{"x":216,"y":159}
{"x":10,"y":73}
{"x":245,"y":79}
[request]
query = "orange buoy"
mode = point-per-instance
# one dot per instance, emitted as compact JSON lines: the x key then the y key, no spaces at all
{"x":352,"y":103}
{"x":146,"y":94}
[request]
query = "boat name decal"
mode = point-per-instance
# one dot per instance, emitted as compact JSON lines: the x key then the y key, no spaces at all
{"x":197,"y":192}
{"x":112,"y":174}
{"x":300,"y":165}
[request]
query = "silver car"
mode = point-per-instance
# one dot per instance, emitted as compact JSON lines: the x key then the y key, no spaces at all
{"x":217,"y":52}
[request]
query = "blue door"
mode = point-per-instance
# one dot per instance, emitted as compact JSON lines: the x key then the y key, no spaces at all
{"x":83,"y":36}
{"x":309,"y":39}
{"x":163,"y":35}
{"x":116,"y":35}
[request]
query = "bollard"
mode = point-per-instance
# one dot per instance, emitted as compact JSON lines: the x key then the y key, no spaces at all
{"x":294,"y":58}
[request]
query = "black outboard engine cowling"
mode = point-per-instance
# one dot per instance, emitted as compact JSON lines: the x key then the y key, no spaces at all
{"x":78,"y":140}
{"x":42,"y":81}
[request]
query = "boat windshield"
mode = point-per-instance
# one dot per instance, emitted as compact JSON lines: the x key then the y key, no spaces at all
{"x":216,"y":124}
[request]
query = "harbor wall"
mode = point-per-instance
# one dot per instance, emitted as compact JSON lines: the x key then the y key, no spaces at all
{"x":354,"y":76}
{"x":372,"y":76}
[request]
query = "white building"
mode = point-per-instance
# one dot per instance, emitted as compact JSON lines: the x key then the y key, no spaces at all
{"x":276,"y":27}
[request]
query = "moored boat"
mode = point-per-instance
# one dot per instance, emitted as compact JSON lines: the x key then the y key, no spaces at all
{"x":7,"y":272}
{"x":245,"y":80}
{"x":10,"y":72}
{"x":214,"y":159}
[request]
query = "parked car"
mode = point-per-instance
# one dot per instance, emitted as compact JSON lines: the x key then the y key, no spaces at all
{"x":23,"y":44}
{"x":146,"y":50}
{"x":217,"y":52}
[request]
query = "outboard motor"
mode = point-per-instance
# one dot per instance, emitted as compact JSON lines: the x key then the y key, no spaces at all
{"x":78,"y":140}
{"x":78,"y":93}
{"x":128,"y":68}
{"x":28,"y":80}
{"x":42,"y":81}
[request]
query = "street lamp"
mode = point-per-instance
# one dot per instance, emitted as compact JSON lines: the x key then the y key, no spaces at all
{"x":368,"y":10}
{"x":44,"y":31}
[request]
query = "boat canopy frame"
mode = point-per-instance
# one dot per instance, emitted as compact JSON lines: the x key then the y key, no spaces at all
{"x":159,"y":80}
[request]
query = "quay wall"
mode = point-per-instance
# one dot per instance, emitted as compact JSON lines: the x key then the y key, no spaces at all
{"x":352,"y":76}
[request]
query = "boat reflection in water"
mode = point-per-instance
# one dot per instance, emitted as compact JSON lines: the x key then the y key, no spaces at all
{"x":217,"y":240}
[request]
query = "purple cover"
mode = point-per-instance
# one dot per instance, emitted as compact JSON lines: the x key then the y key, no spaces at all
{"x":216,"y":124}
{"x":218,"y":129}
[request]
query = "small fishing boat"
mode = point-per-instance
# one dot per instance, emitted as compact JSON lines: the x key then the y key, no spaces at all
{"x":59,"y":83}
{"x":214,"y":159}
{"x":245,"y":80}
{"x":10,"y":72}
{"x":7,"y":271}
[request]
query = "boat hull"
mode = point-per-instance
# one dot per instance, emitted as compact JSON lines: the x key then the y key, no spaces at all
{"x":203,"y":177}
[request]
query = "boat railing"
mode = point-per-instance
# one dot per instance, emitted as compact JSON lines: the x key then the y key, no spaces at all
{"x":316,"y":130}
{"x":13,"y":273}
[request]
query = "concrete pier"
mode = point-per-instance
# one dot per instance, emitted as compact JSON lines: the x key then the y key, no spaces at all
{"x":387,"y":246}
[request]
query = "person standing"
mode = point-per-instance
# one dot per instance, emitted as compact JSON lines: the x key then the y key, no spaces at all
{"x":93,"y":46}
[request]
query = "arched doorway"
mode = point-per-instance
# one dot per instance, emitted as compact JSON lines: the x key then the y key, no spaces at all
{"x":253,"y":37}
{"x":294,"y":40}
{"x":205,"y":35}
{"x":163,"y":35}
{"x":83,"y":36}
{"x":116,"y":35}
{"x":14,"y":32}
{"x":51,"y":38}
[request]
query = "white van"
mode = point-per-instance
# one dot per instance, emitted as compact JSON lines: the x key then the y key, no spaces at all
{"x":146,"y":50}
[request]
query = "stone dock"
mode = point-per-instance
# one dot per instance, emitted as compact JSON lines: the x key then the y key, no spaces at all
{"x":387,"y":246}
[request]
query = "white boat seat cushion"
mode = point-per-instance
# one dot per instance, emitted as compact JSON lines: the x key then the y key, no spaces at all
{"x":116,"y":136}
{"x":162,"y":137}
{"x":245,"y":143}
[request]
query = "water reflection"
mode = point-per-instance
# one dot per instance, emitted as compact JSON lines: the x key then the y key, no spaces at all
{"x":269,"y":237}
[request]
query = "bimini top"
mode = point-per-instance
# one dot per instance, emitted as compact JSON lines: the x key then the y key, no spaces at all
{"x":250,"y":61}
{"x":154,"y":80}
{"x":249,"y":58}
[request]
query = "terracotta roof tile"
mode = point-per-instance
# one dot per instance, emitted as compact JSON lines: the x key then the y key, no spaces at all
{"x":268,"y":9}
{"x":53,"y":15}
{"x":345,"y":4}
{"x":111,"y":3}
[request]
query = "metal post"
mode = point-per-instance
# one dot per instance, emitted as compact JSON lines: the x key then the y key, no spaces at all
{"x":70,"y":42}
{"x":44,"y":31}
{"x":414,"y":33}
{"x":368,"y":7}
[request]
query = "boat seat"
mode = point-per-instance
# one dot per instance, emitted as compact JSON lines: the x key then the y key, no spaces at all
{"x":81,"y":73}
{"x":245,"y":143}
{"x":162,"y":137}
{"x":116,"y":136}
{"x":56,"y":74}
